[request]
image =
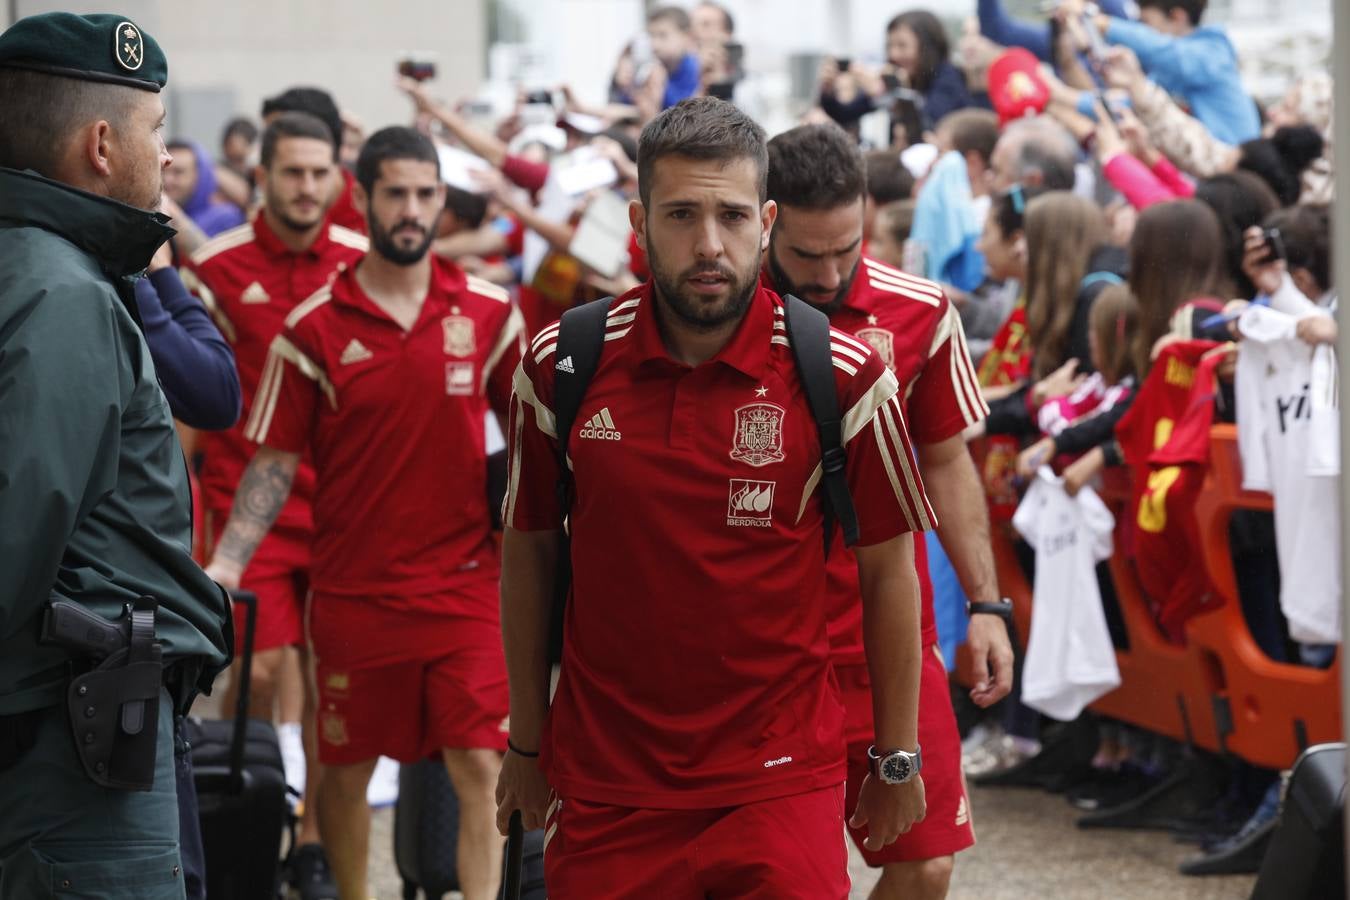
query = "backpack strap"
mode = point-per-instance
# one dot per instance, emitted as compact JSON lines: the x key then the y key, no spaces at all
{"x":809,"y":334}
{"x":581,"y":338}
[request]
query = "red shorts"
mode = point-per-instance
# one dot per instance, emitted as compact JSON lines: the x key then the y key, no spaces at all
{"x":788,"y":848}
{"x":409,"y":706}
{"x":279,"y":575}
{"x":946,"y":828}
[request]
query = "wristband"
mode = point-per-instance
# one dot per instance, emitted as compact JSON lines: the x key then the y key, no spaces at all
{"x":519,"y":752}
{"x":1001,"y":608}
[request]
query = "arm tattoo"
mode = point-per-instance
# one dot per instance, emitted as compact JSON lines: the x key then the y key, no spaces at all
{"x":257,"y":503}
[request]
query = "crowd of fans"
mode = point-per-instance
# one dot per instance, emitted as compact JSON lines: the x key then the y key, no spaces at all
{"x":1102,"y":201}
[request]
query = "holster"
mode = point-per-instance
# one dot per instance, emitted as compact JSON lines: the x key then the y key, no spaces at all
{"x":114,"y":708}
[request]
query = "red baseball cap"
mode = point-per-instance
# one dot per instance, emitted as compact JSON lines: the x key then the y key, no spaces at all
{"x":1016,"y":87}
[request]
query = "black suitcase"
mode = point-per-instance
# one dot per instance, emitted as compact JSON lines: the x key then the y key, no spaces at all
{"x":426,"y":834}
{"x":241,"y":791}
{"x":1306,"y":857}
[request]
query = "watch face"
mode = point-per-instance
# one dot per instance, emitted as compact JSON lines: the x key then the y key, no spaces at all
{"x":895,"y":769}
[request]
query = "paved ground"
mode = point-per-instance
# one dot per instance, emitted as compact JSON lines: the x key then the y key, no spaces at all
{"x":1029,"y":848}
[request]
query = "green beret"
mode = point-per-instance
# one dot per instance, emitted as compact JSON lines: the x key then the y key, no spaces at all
{"x":98,"y":47}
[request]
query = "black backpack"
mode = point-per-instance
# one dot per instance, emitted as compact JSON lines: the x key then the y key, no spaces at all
{"x":581,"y":339}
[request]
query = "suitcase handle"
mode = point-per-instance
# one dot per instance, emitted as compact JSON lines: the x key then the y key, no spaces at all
{"x":515,"y":851}
{"x":236,"y":771}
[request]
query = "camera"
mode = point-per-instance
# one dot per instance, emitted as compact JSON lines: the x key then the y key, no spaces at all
{"x":417,"y":68}
{"x":540,"y":98}
{"x":1274,"y":245}
{"x":843,"y":62}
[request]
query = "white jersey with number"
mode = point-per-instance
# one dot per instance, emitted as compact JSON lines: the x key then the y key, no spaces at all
{"x":1289,"y":441}
{"x":1070,"y":660}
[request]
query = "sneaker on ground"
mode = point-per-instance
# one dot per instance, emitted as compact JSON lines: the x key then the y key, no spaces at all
{"x":1000,"y":756}
{"x":383,"y":787}
{"x":310,"y":875}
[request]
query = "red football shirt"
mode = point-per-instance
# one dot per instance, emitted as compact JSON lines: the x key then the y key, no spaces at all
{"x":250,"y":282}
{"x":696,"y":669}
{"x":917,"y":333}
{"x":1165,"y":440}
{"x":394,"y":421}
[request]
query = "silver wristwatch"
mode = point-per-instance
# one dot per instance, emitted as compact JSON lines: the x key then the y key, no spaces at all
{"x":894,"y":766}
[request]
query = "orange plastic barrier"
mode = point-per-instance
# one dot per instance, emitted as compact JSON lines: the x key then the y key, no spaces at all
{"x":1218,"y":690}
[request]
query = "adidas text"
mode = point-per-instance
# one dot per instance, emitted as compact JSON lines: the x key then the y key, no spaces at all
{"x":565,"y":365}
{"x":600,"y":427}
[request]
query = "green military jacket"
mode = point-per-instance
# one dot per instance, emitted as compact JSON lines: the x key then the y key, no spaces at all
{"x":94,"y":498}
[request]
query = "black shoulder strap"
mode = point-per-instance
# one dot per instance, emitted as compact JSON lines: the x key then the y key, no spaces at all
{"x":581,"y":337}
{"x":809,"y":333}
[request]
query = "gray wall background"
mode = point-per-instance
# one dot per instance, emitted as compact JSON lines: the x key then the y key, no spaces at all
{"x":225,"y":58}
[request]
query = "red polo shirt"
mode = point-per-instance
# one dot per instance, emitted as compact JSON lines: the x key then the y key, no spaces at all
{"x":250,"y":282}
{"x":696,"y":670}
{"x":916,"y":331}
{"x":394,"y":422}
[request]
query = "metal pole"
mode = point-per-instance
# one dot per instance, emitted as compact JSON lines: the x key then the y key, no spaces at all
{"x":1340,"y":71}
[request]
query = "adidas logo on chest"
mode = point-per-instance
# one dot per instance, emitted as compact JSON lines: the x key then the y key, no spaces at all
{"x":600,"y":427}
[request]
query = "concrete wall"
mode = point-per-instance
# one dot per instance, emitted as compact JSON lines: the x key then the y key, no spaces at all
{"x":226,"y":57}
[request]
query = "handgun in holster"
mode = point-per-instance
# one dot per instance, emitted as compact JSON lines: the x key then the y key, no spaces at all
{"x":113,"y":707}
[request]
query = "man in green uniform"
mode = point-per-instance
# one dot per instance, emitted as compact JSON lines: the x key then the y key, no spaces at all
{"x":94,"y":503}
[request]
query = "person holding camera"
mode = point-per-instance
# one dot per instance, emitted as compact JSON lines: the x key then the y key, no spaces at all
{"x":918,"y":57}
{"x":95,"y":510}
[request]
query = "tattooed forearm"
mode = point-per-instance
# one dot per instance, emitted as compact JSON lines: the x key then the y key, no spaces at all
{"x":258,"y":501}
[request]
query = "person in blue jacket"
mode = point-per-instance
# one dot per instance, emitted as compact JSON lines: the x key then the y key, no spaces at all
{"x":1196,"y":63}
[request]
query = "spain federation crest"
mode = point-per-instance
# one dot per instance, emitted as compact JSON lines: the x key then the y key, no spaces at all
{"x":758,"y":438}
{"x":128,"y":46}
{"x":882,"y":341}
{"x":459,"y":339}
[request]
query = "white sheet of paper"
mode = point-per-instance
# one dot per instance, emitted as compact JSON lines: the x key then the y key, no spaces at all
{"x":456,"y":166}
{"x":601,"y":239}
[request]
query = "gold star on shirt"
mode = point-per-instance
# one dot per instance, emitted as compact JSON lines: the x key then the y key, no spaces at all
{"x":871,"y":320}
{"x":761,"y":391}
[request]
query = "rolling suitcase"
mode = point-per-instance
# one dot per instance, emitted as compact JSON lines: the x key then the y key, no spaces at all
{"x":241,"y":791}
{"x":1306,"y":857}
{"x":426,"y":834}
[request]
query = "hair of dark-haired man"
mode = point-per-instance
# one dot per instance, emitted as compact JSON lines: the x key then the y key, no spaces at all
{"x":887,"y":178}
{"x":293,"y":125}
{"x":239,"y":127}
{"x":971,"y":131}
{"x":315,"y":101}
{"x":1306,"y":232}
{"x":394,"y":142}
{"x":933,"y":46}
{"x":815,"y":167}
{"x":41,"y":112}
{"x":1194,"y":9}
{"x":702,"y":128}
{"x":675,"y":15}
{"x":469,"y":209}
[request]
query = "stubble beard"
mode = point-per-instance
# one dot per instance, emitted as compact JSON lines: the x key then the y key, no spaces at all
{"x":692,"y":312}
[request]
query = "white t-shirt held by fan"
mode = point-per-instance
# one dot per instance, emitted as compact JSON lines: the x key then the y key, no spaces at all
{"x":1070,"y":660}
